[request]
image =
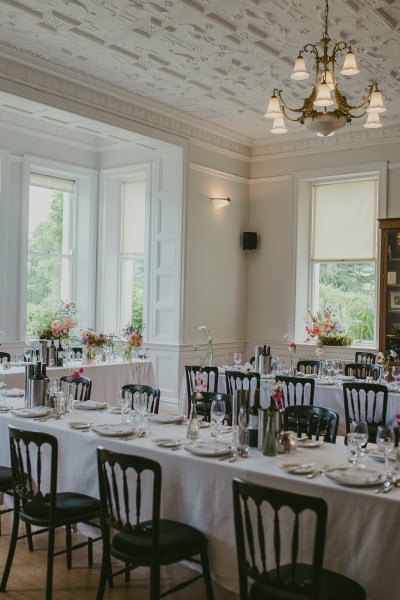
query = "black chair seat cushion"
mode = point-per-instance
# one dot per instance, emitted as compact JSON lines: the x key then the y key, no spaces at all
{"x":175,"y":540}
{"x":69,"y":506}
{"x":333,"y":586}
{"x":5,"y":478}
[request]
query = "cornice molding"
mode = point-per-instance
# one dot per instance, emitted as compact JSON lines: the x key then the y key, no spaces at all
{"x":221,"y":174}
{"x":290,"y":147}
{"x":105,"y":104}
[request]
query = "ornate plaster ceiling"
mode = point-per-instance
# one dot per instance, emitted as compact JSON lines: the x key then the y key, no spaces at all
{"x":216,"y":60}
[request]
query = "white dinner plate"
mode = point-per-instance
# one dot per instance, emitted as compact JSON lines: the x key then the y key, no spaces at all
{"x":380,"y":457}
{"x":90,"y":405}
{"x":355,"y":477}
{"x":324,"y":382}
{"x":37,"y":411}
{"x":347,"y":377}
{"x":113,"y":429}
{"x":5,"y":408}
{"x":167,"y":442}
{"x":208,"y":449}
{"x":164,"y":419}
{"x":307,"y":443}
{"x":79,"y":425}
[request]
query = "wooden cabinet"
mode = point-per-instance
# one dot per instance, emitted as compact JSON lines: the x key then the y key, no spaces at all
{"x":389,"y":288}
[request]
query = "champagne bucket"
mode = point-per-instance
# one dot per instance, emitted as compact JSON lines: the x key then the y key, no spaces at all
{"x":29,"y":369}
{"x":37,"y":392}
{"x":262,"y":426}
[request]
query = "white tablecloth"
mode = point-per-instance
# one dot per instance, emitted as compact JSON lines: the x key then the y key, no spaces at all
{"x":107,"y":378}
{"x":361,"y":536}
{"x":328,"y":396}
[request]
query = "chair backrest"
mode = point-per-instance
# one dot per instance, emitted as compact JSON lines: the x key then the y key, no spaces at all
{"x":312,"y":420}
{"x":260,"y":513}
{"x":5,"y":355}
{"x":28,"y":466}
{"x":207,"y":399}
{"x":362,"y":370}
{"x":122,"y":478}
{"x":365,"y":402}
{"x":308,"y":366}
{"x":297,"y":390}
{"x":365,"y":357}
{"x":82,"y":387}
{"x":236,"y":380}
{"x":151,"y":394}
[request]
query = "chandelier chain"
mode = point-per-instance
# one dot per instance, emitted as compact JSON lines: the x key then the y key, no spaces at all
{"x":326,"y":19}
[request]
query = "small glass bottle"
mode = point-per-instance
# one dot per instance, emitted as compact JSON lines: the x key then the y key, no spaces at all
{"x":193,"y":425}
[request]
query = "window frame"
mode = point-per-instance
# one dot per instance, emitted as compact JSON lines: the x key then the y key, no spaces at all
{"x":301,"y":276}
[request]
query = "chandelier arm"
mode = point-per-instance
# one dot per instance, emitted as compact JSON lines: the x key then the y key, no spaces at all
{"x":346,"y":107}
{"x":284,"y":109}
{"x":302,"y":109}
{"x":339,"y":47}
{"x":311,"y":48}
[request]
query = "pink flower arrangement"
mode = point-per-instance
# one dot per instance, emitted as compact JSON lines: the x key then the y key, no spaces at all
{"x":292,"y":348}
{"x":93,"y":339}
{"x":135,"y":339}
{"x":200,"y":386}
{"x":56,"y":323}
{"x":276,"y":396}
{"x":75,"y":373}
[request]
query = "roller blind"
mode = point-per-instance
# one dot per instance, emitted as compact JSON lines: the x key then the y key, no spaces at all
{"x":133,"y":214}
{"x":344,"y":221}
{"x":52,"y":183}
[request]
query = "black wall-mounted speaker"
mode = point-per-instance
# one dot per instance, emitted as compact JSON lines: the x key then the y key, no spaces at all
{"x":249,"y":240}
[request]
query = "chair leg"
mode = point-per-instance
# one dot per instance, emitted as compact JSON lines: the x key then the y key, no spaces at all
{"x":90,"y":552}
{"x":28,"y":530}
{"x":105,"y":566}
{"x":50,"y":560}
{"x":11,"y":551}
{"x":155,"y":583}
{"x":207,"y":575}
{"x":68,"y":544}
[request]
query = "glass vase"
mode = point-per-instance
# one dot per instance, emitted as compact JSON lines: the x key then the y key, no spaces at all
{"x":321,"y":374}
{"x":270,"y":445}
{"x":210,"y":355}
{"x":193,"y":425}
{"x":70,"y":401}
{"x":291,"y":368}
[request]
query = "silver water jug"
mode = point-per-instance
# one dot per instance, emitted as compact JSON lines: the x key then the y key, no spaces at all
{"x":29,"y":369}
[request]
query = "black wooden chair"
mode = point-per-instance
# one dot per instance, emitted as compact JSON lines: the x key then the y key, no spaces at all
{"x":5,"y":355}
{"x":312,"y":420}
{"x":309,"y":367}
{"x":152,"y":395}
{"x":236,"y":380}
{"x":297,"y":390}
{"x":258,"y":518}
{"x":152,"y":542}
{"x":362,"y":370}
{"x":206,"y":402}
{"x":5,"y":488}
{"x":365,"y":402}
{"x":35,"y":455}
{"x":82,"y":387}
{"x":209,"y":376}
{"x":365,"y":357}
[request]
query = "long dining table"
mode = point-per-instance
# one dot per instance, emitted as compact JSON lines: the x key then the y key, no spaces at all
{"x":107,"y":377}
{"x":361,"y":538}
{"x":327,"y":394}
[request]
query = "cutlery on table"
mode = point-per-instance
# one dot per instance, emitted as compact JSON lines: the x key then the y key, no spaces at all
{"x":318,"y":472}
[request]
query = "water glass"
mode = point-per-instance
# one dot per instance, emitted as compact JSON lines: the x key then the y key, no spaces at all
{"x":357,"y":440}
{"x":218,"y":411}
{"x":385,"y":442}
{"x":59,"y":404}
{"x":125,"y":410}
{"x":225,"y":362}
{"x":237,"y":359}
{"x":395,"y":375}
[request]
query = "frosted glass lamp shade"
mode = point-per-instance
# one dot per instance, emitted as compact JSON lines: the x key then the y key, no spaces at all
{"x":323,"y":96}
{"x":328,"y":79}
{"x":373,"y":121}
{"x":349,"y":65}
{"x":376,"y":103}
{"x":299,"y":70}
{"x":279,"y":126}
{"x":274,"y":109}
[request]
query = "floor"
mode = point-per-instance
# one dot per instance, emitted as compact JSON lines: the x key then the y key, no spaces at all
{"x":28,"y":573}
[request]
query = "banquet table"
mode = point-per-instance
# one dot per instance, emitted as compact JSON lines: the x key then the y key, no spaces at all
{"x":327,"y":395}
{"x":107,"y":378}
{"x":361,"y":542}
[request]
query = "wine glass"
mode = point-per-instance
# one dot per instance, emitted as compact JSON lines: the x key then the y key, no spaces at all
{"x":3,"y":386}
{"x":335,"y":366}
{"x":385,"y":443}
{"x":28,"y":354}
{"x":237,"y":359}
{"x":218,"y":411}
{"x":395,"y":375}
{"x":359,"y":435}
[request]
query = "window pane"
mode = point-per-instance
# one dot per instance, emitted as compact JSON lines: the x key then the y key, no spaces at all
{"x":48,"y":282}
{"x":349,"y":290}
{"x":49,"y":221}
{"x":132,"y":291}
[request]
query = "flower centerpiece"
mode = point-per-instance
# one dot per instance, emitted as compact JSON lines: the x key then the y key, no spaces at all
{"x":292,"y":351}
{"x":193,"y":425}
{"x":94,"y":341}
{"x":209,"y":338}
{"x":133,"y":342}
{"x":73,"y":375}
{"x":54,"y":322}
{"x":383,"y":362}
{"x":273,"y":389}
{"x":325,"y":329}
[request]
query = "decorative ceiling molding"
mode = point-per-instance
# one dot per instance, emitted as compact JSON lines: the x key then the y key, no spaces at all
{"x":71,"y":95}
{"x":343,"y":141}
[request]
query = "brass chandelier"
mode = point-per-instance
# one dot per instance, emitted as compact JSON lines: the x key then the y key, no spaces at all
{"x":325,"y":122}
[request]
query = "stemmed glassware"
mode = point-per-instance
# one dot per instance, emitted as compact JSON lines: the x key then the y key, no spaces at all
{"x":335,"y":367}
{"x":395,"y":375}
{"x":237,"y":359}
{"x":385,"y":443}
{"x":3,"y":386}
{"x":357,"y":440}
{"x":218,"y":411}
{"x":28,"y":354}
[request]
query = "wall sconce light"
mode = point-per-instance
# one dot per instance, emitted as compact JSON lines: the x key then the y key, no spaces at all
{"x":220,"y":202}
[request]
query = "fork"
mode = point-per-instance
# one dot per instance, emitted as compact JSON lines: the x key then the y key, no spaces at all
{"x":318,"y":472}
